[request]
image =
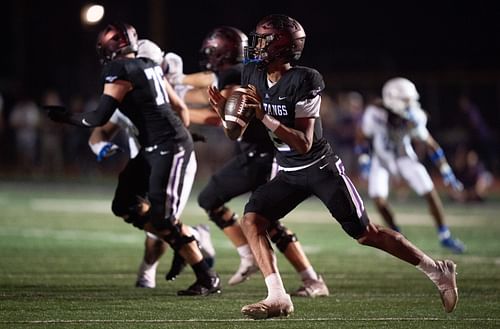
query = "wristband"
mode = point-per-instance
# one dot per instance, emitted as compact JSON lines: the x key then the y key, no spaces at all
{"x":270,"y":122}
{"x":437,"y":156}
{"x":97,"y":147}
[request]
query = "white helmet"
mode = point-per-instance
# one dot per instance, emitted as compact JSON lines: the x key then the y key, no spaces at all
{"x":149,"y":49}
{"x":174,"y":66}
{"x":398,"y":94}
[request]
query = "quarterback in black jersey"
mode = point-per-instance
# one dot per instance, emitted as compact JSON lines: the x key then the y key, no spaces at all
{"x":222,"y":54}
{"x":136,"y":86}
{"x":308,"y":166}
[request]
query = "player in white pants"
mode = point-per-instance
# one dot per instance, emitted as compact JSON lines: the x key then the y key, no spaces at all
{"x":391,"y":127}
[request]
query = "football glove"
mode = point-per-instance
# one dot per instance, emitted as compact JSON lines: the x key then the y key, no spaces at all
{"x":449,"y":178}
{"x":364,"y":160}
{"x":104,"y":150}
{"x":57,"y":113}
{"x":364,"y":163}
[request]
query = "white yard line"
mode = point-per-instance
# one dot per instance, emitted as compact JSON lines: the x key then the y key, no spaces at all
{"x":396,"y":319}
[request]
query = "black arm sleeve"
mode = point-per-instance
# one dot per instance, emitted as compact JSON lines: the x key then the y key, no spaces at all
{"x":98,"y":117}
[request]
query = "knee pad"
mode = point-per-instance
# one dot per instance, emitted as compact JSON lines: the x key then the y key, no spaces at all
{"x":175,"y":238}
{"x":129,"y":213}
{"x":281,"y":237}
{"x":136,"y":220}
{"x":120,"y":209}
{"x":216,"y":217}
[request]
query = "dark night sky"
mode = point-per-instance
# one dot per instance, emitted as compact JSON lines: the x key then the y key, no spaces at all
{"x":356,"y":44}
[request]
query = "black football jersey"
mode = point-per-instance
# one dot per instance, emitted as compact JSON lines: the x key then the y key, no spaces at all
{"x":297,"y":84}
{"x":147,"y":105}
{"x":255,"y":137}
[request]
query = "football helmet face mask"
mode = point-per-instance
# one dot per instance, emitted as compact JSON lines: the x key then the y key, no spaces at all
{"x":399,"y":94}
{"x":115,"y":40}
{"x":223,"y":45}
{"x":276,"y":38}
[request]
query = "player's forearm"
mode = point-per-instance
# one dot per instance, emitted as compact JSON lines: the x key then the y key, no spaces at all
{"x":296,"y":139}
{"x":178,"y":105}
{"x":199,"y":79}
{"x":104,"y":133}
{"x":204,"y":116}
{"x":107,"y":105}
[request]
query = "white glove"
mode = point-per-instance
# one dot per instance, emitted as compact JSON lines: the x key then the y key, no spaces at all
{"x":173,"y":67}
{"x":104,"y":149}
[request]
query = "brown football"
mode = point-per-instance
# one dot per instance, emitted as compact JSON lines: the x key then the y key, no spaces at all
{"x":239,"y":111}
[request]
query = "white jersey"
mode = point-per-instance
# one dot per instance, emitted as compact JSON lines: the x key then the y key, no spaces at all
{"x":130,"y":129}
{"x":392,"y":151}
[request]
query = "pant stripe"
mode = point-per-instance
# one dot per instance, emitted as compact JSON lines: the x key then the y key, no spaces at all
{"x":358,"y":202}
{"x":174,"y":180}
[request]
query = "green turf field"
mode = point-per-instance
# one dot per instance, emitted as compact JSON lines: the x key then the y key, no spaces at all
{"x":66,"y":262}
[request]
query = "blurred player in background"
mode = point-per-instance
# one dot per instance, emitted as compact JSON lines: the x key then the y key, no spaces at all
{"x":308,"y":166}
{"x":252,"y":166}
{"x":136,"y":86}
{"x":388,"y":130}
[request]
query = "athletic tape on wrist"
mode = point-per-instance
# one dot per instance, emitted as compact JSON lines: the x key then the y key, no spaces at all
{"x":270,"y":122}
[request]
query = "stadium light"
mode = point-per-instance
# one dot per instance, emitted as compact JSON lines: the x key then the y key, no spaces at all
{"x":92,"y":14}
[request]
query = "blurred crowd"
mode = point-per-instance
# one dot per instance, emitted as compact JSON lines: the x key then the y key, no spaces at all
{"x":35,"y":147}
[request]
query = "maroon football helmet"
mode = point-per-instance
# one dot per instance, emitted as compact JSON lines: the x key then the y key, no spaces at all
{"x":276,"y":37}
{"x":222,"y":45}
{"x":115,"y":40}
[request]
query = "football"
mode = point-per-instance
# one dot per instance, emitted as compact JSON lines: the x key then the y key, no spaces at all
{"x":240,"y":110}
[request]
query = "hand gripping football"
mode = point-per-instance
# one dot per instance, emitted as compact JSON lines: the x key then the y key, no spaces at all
{"x":240,"y":109}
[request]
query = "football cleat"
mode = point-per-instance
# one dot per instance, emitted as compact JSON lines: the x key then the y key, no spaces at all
{"x":245,"y":270}
{"x":206,"y":247}
{"x":178,"y":264}
{"x":143,"y":283}
{"x":454,"y":245}
{"x":312,"y":288}
{"x":202,"y":289}
{"x":447,"y":284}
{"x":269,"y":308}
{"x":146,"y":276}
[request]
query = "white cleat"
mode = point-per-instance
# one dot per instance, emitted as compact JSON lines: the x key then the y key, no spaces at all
{"x":312,"y":288}
{"x":146,"y":276}
{"x":205,"y":241}
{"x":245,"y":270}
{"x":269,"y":308}
{"x":447,"y":284}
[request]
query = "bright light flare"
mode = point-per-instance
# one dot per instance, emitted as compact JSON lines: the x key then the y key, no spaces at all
{"x":92,"y":14}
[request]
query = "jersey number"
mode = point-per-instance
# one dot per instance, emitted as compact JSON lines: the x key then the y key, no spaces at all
{"x":156,"y":74}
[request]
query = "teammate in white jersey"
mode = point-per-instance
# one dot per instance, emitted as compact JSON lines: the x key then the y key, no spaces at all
{"x":391,"y":127}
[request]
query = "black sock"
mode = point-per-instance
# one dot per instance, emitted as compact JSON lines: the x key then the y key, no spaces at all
{"x":202,"y":271}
